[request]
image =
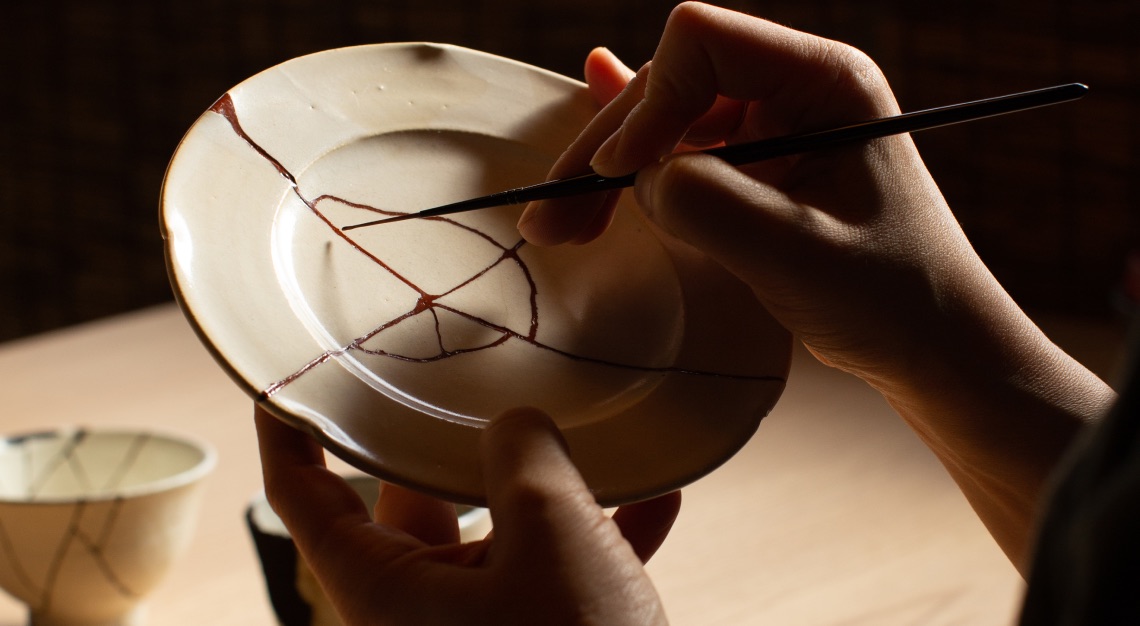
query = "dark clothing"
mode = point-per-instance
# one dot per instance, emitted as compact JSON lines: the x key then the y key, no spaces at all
{"x":1086,"y":567}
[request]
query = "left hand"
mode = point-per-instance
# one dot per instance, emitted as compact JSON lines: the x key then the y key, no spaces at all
{"x":556,"y":558}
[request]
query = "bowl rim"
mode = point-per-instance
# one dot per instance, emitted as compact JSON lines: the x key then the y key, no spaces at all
{"x":206,"y":463}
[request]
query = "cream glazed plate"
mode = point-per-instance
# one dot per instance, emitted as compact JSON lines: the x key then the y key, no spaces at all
{"x":395,"y":344}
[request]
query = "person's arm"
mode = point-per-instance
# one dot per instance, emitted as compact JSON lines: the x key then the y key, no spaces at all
{"x":555,"y":557}
{"x":853,"y":249}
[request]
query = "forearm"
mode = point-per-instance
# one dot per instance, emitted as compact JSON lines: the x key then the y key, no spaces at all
{"x":999,"y":404}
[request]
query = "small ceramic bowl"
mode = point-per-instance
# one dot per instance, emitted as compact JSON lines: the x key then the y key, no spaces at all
{"x":90,"y":520}
{"x":296,"y":596}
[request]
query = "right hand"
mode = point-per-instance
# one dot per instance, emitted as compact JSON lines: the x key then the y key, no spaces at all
{"x":853,"y":249}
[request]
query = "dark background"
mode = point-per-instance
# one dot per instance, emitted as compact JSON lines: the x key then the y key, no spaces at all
{"x":97,"y":93}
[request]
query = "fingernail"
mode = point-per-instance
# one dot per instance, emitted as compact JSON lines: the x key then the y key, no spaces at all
{"x":526,"y":218}
{"x":605,"y":153}
{"x":534,"y":419}
{"x":532,"y":228}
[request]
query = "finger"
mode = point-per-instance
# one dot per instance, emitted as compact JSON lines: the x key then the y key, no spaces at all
{"x":537,"y":499}
{"x":283,"y":447}
{"x":577,"y":219}
{"x":551,"y":537}
{"x":580,"y":218}
{"x":721,"y":120}
{"x":606,"y":75}
{"x":302,"y":491}
{"x":428,"y":519}
{"x":740,"y":222}
{"x":360,"y":564}
{"x":645,"y":525}
{"x":707,"y":52}
{"x":601,"y":220}
{"x":525,"y":456}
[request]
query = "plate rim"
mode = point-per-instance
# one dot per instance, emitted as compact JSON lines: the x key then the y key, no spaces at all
{"x":331,"y":441}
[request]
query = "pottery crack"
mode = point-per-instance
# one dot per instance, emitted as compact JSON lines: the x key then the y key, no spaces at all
{"x":428,"y":302}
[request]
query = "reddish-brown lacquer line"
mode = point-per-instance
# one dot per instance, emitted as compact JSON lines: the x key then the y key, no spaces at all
{"x":427,"y":302}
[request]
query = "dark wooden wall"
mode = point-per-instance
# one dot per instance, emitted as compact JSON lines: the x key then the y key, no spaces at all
{"x":97,"y":93}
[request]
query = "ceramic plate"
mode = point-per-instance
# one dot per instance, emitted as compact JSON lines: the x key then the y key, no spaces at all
{"x":395,"y":344}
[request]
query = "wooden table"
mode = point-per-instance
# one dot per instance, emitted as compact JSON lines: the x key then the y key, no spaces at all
{"x":833,"y":514}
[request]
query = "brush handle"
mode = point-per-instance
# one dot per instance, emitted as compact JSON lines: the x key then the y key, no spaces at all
{"x":741,"y":154}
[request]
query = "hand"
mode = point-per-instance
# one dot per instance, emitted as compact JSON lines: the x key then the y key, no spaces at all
{"x":819,"y":237}
{"x":555,"y":557}
{"x":853,"y":249}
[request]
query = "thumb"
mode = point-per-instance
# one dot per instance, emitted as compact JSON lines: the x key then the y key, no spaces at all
{"x":536,"y":496}
{"x":737,"y":220}
{"x":553,"y":544}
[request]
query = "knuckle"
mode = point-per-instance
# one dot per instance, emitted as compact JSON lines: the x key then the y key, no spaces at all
{"x":684,"y":12}
{"x":540,"y":500}
{"x":854,"y":68}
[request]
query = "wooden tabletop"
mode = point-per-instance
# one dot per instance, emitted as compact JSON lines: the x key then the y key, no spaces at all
{"x":833,"y":514}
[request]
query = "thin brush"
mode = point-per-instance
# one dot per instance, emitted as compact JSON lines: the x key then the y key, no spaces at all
{"x":740,"y":154}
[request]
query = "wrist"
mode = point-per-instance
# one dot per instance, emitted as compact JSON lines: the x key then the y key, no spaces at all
{"x":979,"y":350}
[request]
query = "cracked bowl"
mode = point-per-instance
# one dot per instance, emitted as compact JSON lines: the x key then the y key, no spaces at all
{"x":91,"y":520}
